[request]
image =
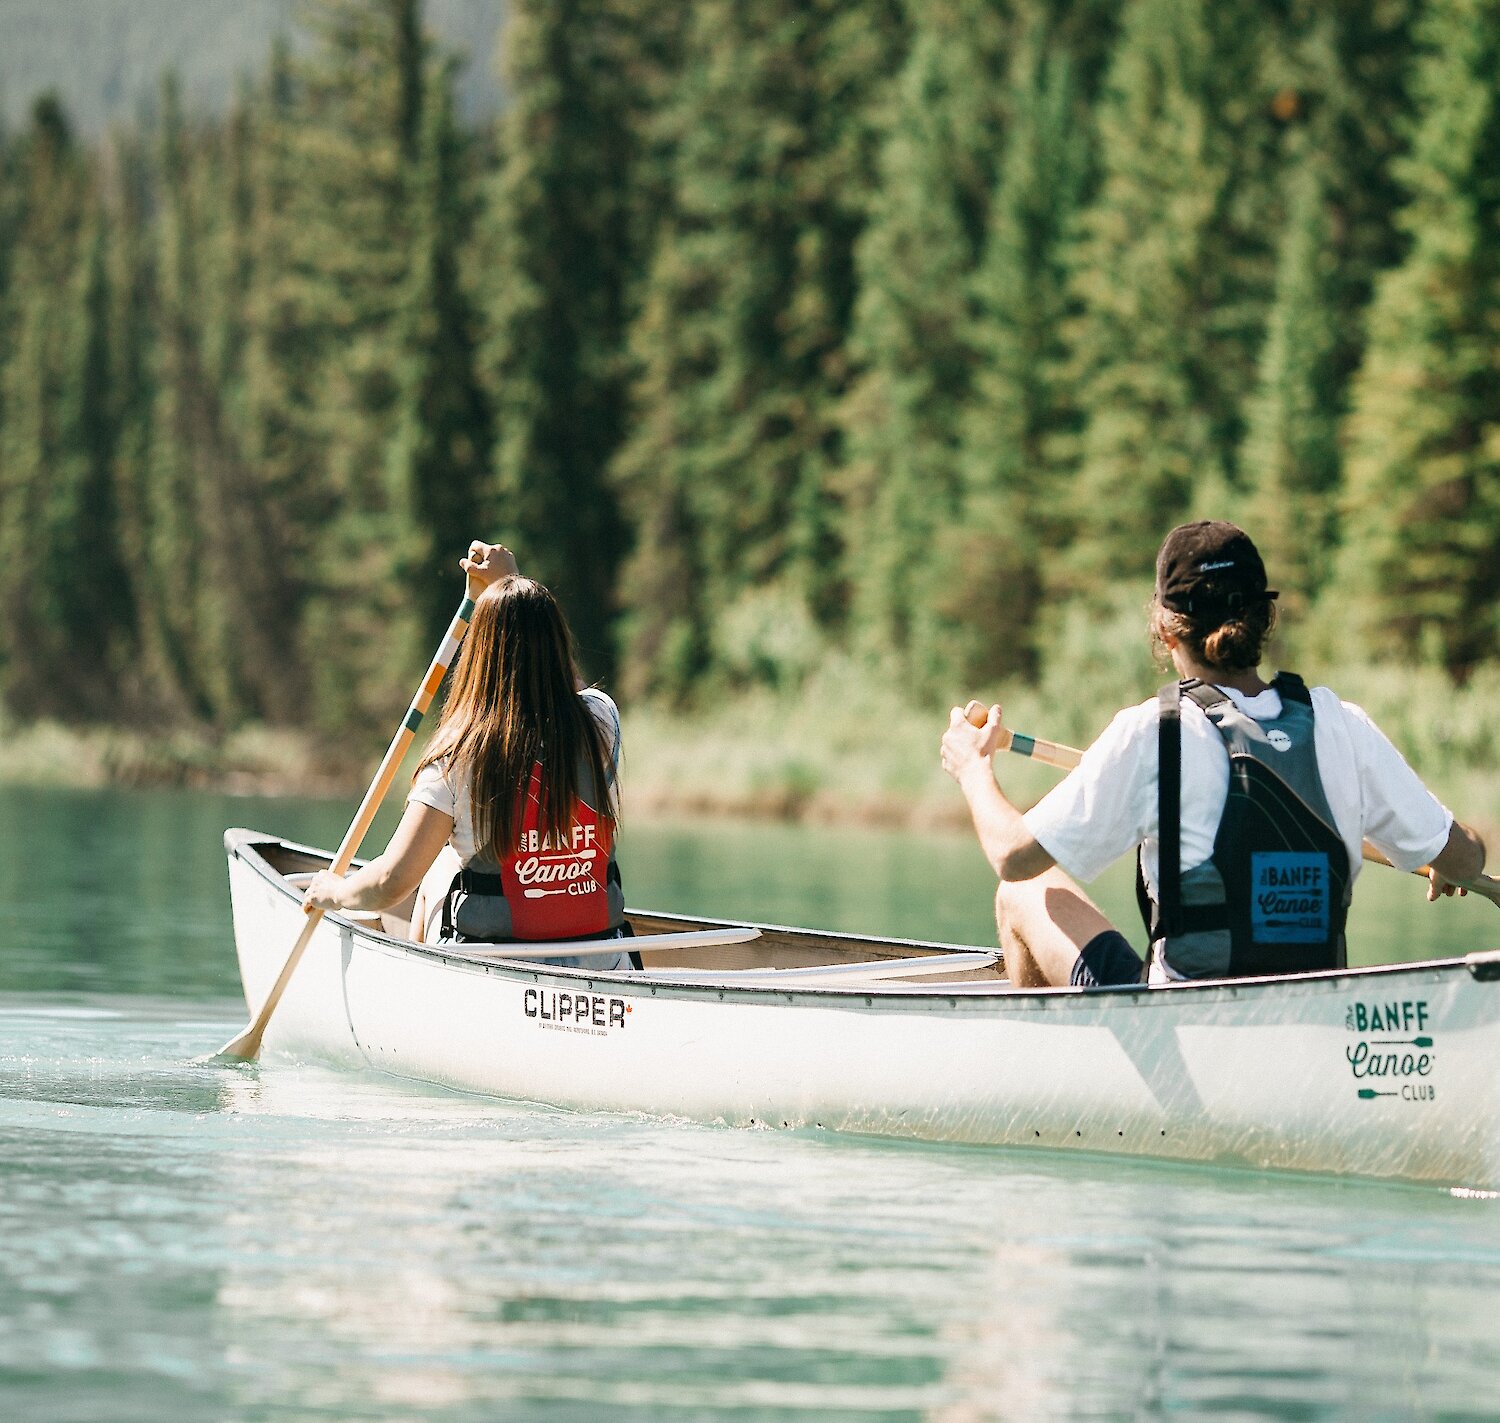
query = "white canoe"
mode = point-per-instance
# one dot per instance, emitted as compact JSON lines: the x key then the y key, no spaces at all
{"x":1387,"y":1072}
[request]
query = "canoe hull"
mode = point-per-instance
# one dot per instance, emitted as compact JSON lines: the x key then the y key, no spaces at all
{"x":1391,"y":1073}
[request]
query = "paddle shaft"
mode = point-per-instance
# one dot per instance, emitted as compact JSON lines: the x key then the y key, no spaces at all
{"x":1065,"y":758}
{"x":247,"y":1044}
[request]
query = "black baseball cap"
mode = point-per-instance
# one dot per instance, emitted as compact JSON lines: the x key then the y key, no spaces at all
{"x":1209,"y":570}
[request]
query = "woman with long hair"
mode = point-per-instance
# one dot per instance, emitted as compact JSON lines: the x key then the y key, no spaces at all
{"x":1247,"y":799}
{"x":509,"y":826}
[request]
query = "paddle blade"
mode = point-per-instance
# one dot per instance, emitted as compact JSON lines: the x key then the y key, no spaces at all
{"x":245,"y":1048}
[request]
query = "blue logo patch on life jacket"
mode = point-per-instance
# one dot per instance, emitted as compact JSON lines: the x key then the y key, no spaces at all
{"x":1289,"y":897}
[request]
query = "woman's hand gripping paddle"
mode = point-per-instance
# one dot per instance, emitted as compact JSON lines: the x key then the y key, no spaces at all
{"x":485,"y":563}
{"x":1065,"y":758}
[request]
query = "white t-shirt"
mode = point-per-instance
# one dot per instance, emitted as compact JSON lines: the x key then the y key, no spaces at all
{"x":437,"y":785}
{"x":1107,"y":805}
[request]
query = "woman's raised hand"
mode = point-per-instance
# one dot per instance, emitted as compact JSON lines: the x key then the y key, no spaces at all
{"x":488,"y":563}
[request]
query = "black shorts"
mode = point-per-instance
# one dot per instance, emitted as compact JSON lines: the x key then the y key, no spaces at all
{"x":1107,"y":959}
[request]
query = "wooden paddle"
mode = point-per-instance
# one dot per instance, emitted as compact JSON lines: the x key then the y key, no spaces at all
{"x":246,"y":1046}
{"x":1065,"y":758}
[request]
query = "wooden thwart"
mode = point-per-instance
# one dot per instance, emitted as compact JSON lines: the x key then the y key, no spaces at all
{"x":598,"y":948}
{"x":873,"y":970}
{"x":915,"y":966}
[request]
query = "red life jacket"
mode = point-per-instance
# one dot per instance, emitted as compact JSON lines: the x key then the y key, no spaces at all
{"x":558,"y":887}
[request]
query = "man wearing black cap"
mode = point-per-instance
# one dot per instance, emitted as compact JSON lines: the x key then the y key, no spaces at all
{"x":1248,"y":801}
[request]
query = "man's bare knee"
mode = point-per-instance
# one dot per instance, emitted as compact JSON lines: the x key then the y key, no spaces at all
{"x":1016,"y":902}
{"x":1018,"y":899}
{"x":1043,"y":922}
{"x":1002,"y":903}
{"x":1020,"y":967}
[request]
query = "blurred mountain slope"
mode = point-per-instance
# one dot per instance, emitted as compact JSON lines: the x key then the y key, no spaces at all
{"x":106,"y":57}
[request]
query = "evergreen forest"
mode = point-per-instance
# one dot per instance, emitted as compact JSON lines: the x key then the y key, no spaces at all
{"x":767,"y":332}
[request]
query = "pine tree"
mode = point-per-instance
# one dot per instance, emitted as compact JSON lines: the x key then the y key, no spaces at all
{"x":1173,"y":275}
{"x":1084,"y":32}
{"x":1339,"y":74}
{"x":353,"y":162}
{"x":234,"y":204}
{"x":145,"y":685}
{"x":1291,"y":455}
{"x":991,"y":599}
{"x":440,"y":455}
{"x":277,"y":407}
{"x":93,"y":609}
{"x":1422,"y":563}
{"x":735,"y":452}
{"x":571,"y":222}
{"x":38,"y":498}
{"x":10,"y":209}
{"x":249,"y":583}
{"x":912,"y":332}
{"x":65,"y":620}
{"x":211,"y":564}
{"x":176,"y":552}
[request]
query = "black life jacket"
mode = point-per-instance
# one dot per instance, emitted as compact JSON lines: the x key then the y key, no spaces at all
{"x":1274,"y":896}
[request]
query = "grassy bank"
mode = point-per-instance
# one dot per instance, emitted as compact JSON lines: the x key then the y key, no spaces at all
{"x":868,"y":756}
{"x":251,"y":761}
{"x":848,"y":747}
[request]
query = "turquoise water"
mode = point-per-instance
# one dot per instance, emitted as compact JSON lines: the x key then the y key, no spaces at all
{"x":183,"y":1242}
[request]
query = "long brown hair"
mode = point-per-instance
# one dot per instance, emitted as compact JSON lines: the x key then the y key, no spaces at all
{"x":513,"y":702}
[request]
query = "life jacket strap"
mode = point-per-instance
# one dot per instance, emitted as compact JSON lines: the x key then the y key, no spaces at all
{"x":1167,"y":920}
{"x":1169,"y":917}
{"x":486,"y":882}
{"x":1288,"y":685}
{"x":1292,"y":688}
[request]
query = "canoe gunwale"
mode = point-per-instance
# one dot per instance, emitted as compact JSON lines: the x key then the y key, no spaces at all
{"x":246,"y":845}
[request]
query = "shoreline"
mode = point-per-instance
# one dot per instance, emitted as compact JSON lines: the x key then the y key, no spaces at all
{"x":262,"y":762}
{"x":257,"y":761}
{"x":738,"y":766}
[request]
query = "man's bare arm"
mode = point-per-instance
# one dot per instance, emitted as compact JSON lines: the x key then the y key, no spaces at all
{"x":1460,"y":861}
{"x":967,"y":754}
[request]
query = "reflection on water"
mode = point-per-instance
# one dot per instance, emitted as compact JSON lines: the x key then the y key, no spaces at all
{"x":107,"y":891}
{"x":189,"y":1242}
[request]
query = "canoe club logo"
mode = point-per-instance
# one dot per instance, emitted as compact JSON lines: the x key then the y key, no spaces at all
{"x":1394,"y":1056}
{"x":546,"y":865}
{"x":595,"y":1014}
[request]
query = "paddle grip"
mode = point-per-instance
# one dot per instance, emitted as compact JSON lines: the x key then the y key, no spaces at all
{"x":1049,"y":753}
